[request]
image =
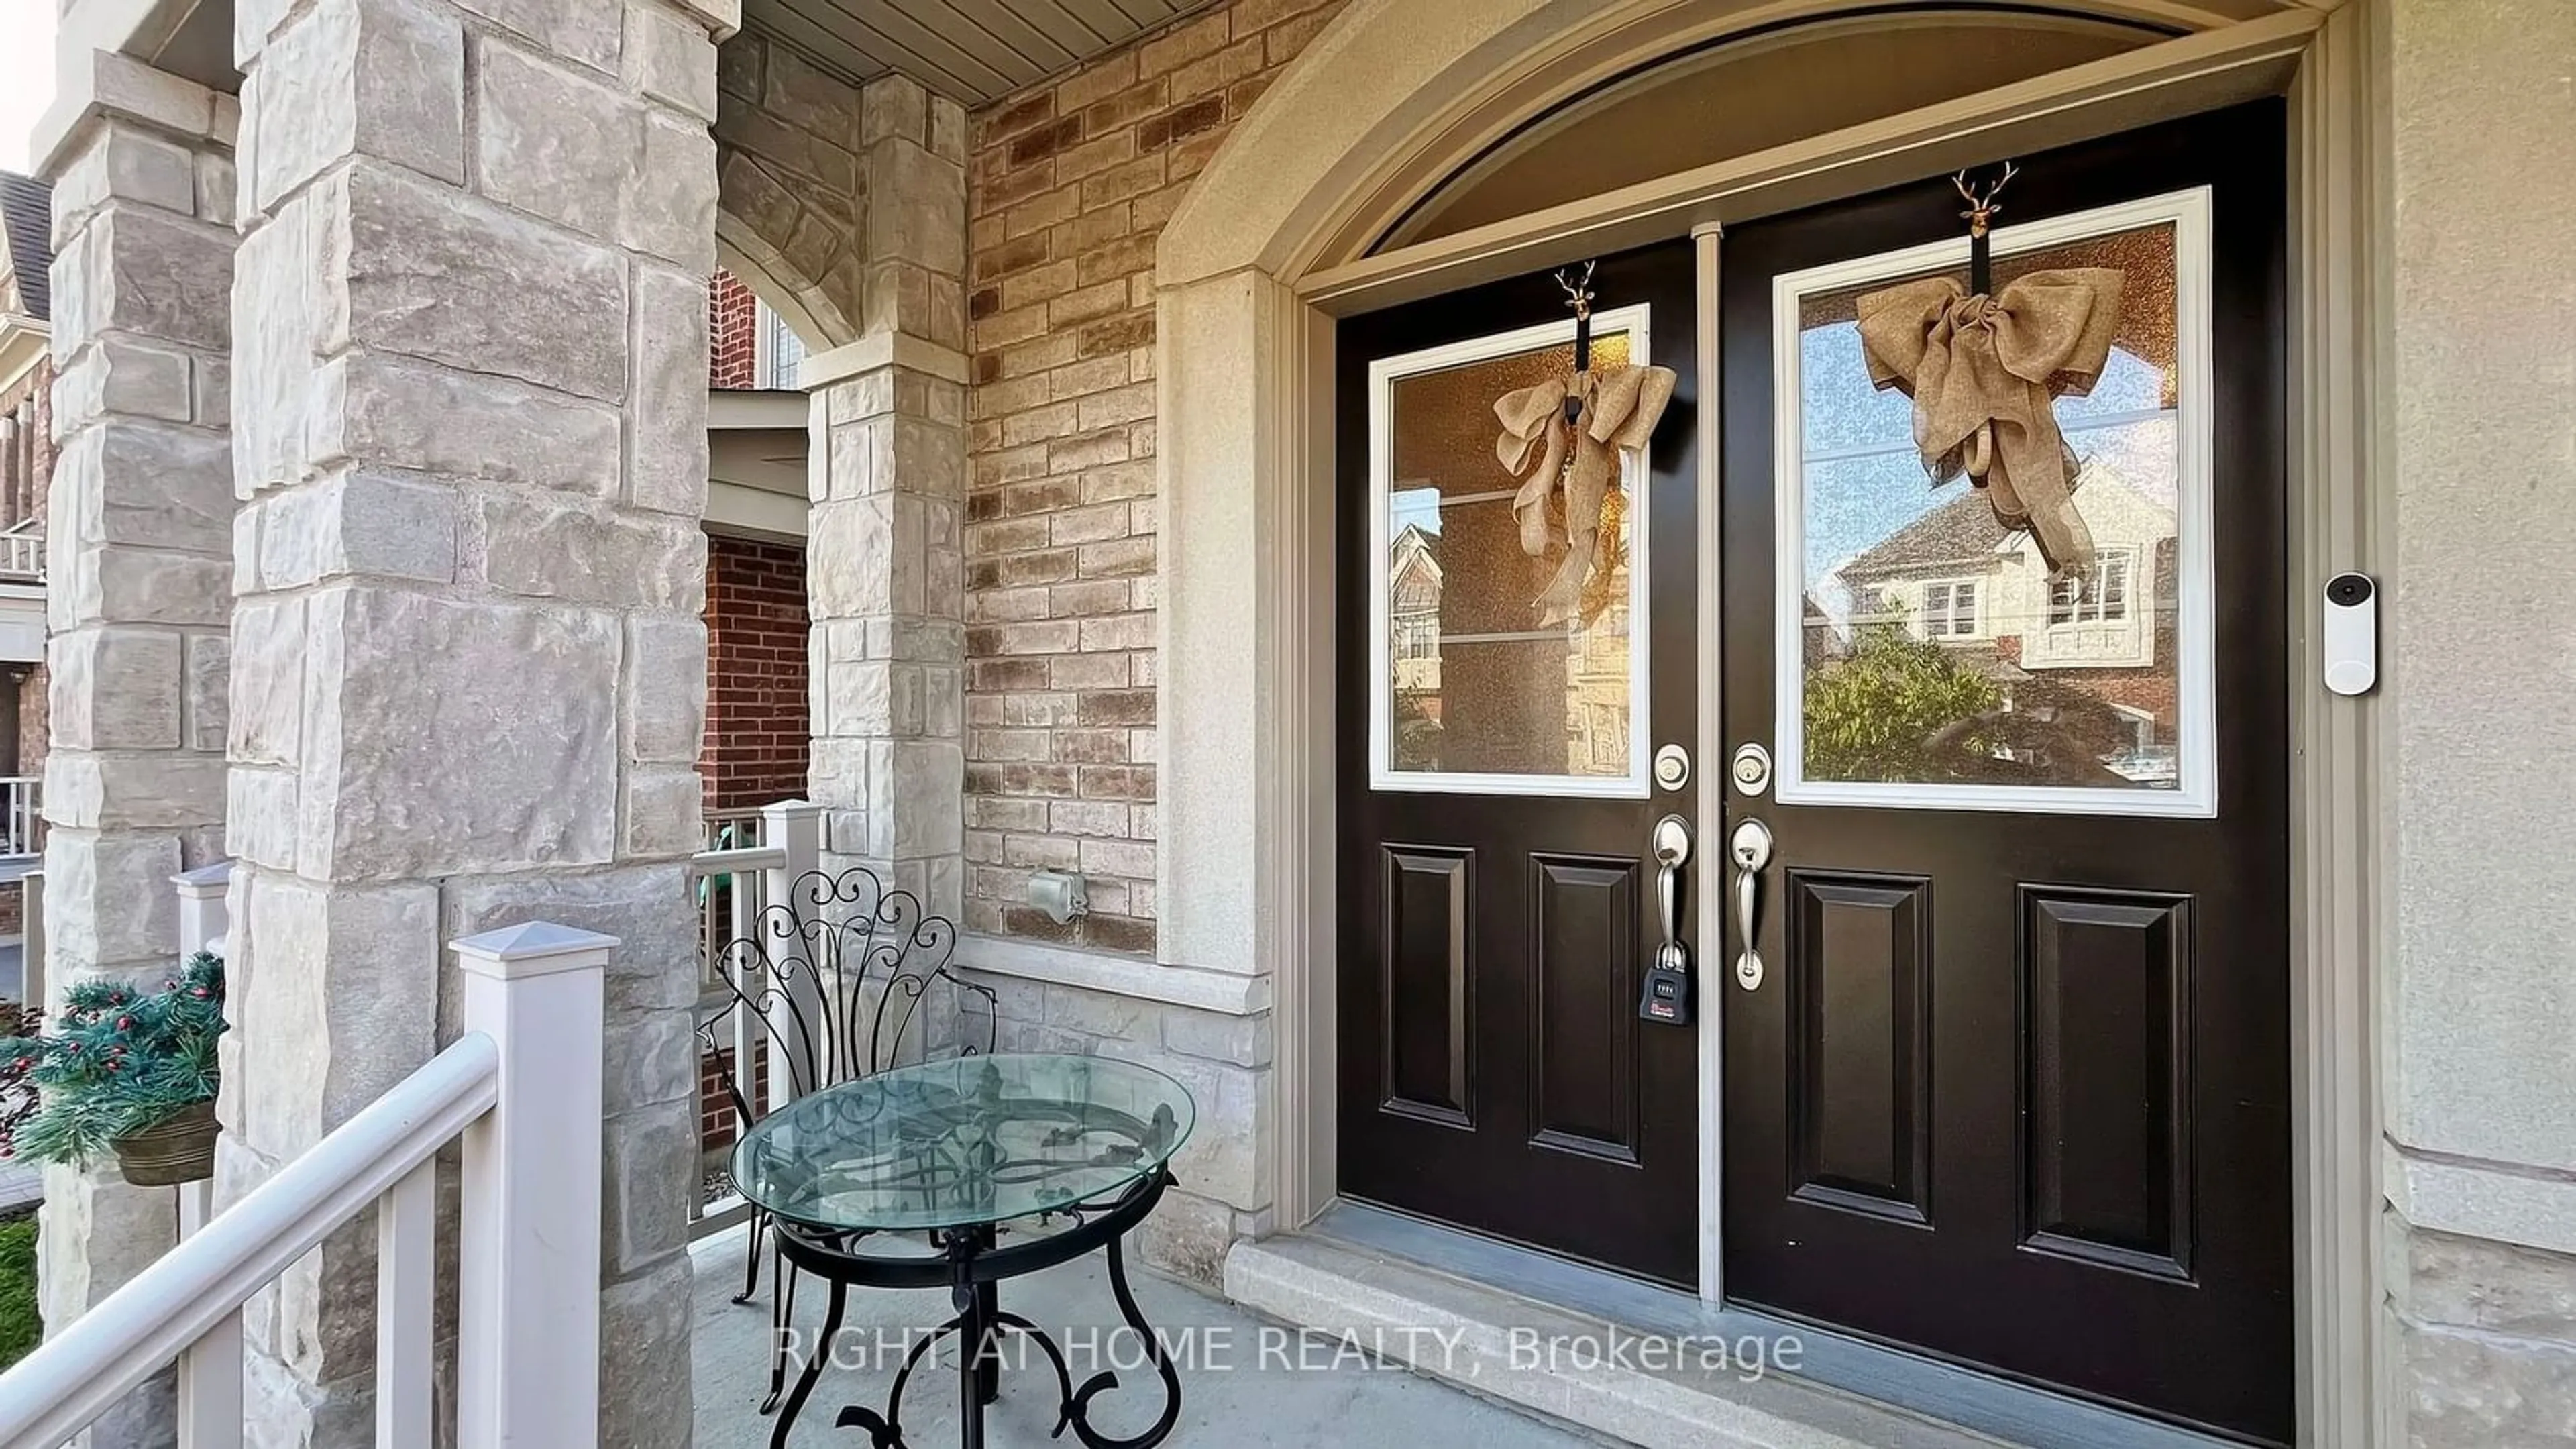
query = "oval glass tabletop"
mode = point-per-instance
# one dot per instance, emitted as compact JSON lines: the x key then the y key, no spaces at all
{"x":963,"y":1141}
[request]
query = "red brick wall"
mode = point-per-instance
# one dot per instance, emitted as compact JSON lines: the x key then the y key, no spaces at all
{"x":715,"y":1108}
{"x":1070,"y":184}
{"x":756,"y":740}
{"x":733,"y":333}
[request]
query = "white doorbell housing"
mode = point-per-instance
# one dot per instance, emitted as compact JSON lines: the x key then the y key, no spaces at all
{"x":2352,"y":633}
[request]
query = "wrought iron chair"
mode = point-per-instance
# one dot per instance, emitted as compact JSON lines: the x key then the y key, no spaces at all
{"x":829,"y":987}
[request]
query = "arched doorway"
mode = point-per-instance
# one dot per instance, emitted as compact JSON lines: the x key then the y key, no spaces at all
{"x":1403,"y":131}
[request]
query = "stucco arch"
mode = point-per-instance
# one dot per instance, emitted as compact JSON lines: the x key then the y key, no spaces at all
{"x":1395,"y":96}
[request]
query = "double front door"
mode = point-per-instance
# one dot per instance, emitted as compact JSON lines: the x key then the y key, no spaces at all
{"x":2000,"y":1012}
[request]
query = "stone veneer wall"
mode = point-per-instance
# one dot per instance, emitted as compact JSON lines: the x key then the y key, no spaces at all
{"x":1223,"y":1174}
{"x":469,"y":411}
{"x":1070,"y":183}
{"x":140,"y":561}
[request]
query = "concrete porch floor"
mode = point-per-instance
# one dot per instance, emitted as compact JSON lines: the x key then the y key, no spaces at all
{"x":1247,"y":1391}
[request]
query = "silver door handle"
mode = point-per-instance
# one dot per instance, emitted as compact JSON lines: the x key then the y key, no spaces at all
{"x":1672,"y":842}
{"x":1667,"y":997}
{"x":1750,"y":845}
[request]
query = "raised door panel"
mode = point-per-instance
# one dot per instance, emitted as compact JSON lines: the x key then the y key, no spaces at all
{"x":1425,"y":951}
{"x":2106,"y":1077}
{"x":1583,"y":1091}
{"x":1860,"y":1046}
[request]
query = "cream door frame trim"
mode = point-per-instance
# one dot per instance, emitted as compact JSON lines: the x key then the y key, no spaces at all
{"x":1247,"y":470}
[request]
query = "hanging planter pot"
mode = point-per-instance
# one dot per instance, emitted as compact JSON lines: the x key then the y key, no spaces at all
{"x":177,"y":1149}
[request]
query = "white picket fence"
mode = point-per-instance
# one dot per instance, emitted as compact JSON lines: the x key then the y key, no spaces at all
{"x":521,"y":1089}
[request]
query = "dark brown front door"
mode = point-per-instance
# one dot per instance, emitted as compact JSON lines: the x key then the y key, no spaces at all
{"x":1497,"y":890}
{"x":2013,"y":1088}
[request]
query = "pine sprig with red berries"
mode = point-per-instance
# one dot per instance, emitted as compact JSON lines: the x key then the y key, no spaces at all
{"x":117,"y":1060}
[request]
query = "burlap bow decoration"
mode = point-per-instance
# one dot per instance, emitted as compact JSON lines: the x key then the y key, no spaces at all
{"x":1569,"y":471}
{"x":1984,"y":373}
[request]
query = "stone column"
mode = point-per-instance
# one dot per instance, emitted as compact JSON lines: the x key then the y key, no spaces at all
{"x":883,"y":559}
{"x":470,"y":449}
{"x":140,"y":533}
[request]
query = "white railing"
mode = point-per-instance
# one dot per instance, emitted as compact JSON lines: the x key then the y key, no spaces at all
{"x":521,"y":1089}
{"x":22,"y":552}
{"x":735,"y":886}
{"x":22,"y":814}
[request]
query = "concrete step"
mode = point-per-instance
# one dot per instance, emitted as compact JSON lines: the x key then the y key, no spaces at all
{"x":1658,"y":1390}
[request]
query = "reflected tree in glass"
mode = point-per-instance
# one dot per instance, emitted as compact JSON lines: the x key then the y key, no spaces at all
{"x":1892,"y":710}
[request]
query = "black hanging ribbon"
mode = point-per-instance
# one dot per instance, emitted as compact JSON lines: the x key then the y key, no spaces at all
{"x":1980,"y":217}
{"x":1578,"y":295}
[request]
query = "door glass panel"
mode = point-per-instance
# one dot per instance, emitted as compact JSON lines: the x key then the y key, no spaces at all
{"x":1928,"y":654}
{"x":1473,"y":693}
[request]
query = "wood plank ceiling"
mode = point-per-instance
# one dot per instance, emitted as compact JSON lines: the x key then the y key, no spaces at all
{"x":974,"y":51}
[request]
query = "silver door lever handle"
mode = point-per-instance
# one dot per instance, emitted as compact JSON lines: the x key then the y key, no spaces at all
{"x":1672,"y":842}
{"x":1750,"y":845}
{"x":1667,"y":994}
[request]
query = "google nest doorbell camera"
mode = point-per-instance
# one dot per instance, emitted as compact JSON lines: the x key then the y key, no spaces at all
{"x":2352,"y":633}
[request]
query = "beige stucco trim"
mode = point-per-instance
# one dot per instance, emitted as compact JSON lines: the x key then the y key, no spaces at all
{"x":2196,"y":72}
{"x":1246,"y":476}
{"x":1396,"y":95}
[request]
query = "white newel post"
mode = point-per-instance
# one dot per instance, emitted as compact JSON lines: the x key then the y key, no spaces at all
{"x":31,"y":949}
{"x":203,"y":916}
{"x":796,"y":828}
{"x":210,"y":1378}
{"x":528,"y":1227}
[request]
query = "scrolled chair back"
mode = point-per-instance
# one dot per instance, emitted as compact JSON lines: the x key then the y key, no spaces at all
{"x":845,"y":978}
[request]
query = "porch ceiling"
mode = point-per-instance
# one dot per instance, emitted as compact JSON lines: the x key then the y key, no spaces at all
{"x":972,"y":51}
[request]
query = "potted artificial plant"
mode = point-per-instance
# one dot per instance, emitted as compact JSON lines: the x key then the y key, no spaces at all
{"x":129,"y":1071}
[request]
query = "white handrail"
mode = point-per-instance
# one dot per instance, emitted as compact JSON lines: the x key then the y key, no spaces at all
{"x":523,"y":1091}
{"x":737,"y":859}
{"x":108,"y":1352}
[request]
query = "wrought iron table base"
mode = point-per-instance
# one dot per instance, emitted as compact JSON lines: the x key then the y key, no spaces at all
{"x":972,"y":1266}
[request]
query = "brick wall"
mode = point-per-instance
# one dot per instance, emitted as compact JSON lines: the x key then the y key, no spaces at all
{"x":717,"y":1128}
{"x":1070,"y":185}
{"x":756,"y":740}
{"x":733,"y":333}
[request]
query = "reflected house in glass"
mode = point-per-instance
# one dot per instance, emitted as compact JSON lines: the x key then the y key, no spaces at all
{"x":1413,"y":617}
{"x":2088,"y":667}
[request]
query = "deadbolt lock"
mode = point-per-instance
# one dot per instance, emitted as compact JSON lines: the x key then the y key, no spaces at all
{"x":1672,"y":767}
{"x":1751,"y":769}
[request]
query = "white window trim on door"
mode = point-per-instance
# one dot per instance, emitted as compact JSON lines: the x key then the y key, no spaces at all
{"x":1383,"y":374}
{"x":2196,"y":622}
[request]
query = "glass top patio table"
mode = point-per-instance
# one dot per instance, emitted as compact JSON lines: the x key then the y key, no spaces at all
{"x":963,"y":1141}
